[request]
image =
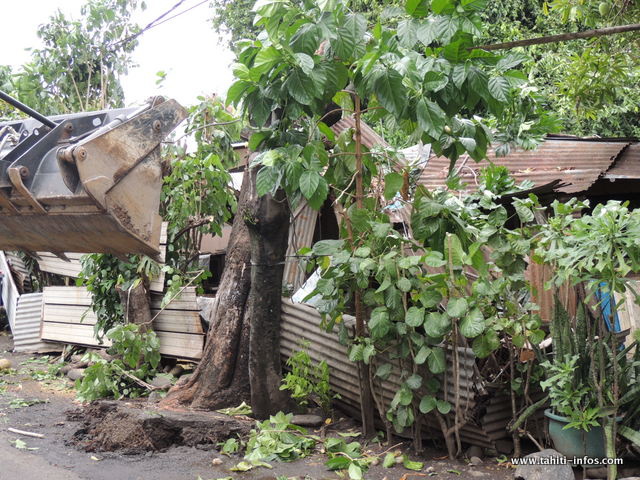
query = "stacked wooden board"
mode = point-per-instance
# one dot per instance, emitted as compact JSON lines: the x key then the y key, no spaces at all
{"x":68,"y":318}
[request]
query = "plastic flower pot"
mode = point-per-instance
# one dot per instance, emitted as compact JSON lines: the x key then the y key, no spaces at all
{"x":573,"y":442}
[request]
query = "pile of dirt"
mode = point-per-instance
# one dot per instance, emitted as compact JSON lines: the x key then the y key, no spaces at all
{"x":110,"y":426}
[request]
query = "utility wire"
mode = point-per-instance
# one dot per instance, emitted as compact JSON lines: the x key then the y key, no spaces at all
{"x":156,"y":22}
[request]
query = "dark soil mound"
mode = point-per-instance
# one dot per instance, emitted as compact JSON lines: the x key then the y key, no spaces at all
{"x":113,"y":426}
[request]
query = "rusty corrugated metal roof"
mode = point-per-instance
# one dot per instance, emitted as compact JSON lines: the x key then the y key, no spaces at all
{"x":627,"y":166}
{"x":370,"y":138}
{"x":577,"y":163}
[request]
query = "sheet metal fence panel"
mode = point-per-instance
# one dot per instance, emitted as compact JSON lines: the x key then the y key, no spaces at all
{"x":302,"y":323}
{"x":28,"y":322}
{"x":301,"y":232}
{"x":10,"y":293}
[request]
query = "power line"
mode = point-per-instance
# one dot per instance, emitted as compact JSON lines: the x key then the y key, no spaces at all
{"x":156,"y":22}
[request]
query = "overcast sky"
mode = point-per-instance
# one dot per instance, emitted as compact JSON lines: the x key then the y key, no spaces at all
{"x":186,"y":47}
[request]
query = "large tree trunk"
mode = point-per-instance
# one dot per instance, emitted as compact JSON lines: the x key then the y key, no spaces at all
{"x":237,"y":365}
{"x":268,"y":223}
{"x":222,"y":376}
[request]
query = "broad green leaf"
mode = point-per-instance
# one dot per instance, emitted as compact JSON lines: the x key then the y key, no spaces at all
{"x":436,"y":361}
{"x":404,"y":284}
{"x":431,"y":118}
{"x":305,"y":62}
{"x":485,"y":344}
{"x":499,"y":87}
{"x":427,"y":403}
{"x":422,"y":355}
{"x":414,"y":382}
{"x":390,"y":91}
{"x":301,"y":87}
{"x":389,"y":460}
{"x":459,"y":74}
{"x":393,"y":183}
{"x":384,"y":371}
{"x":443,"y":406}
{"x":430,"y":298}
{"x":411,"y":465}
{"x":446,"y":27}
{"x":417,"y":8}
{"x":257,"y":138}
{"x":267,"y":180}
{"x":457,"y":307}
{"x":437,"y":324}
{"x":455,"y":253}
{"x":474,"y":5}
{"x":440,"y":6}
{"x":266,"y":59}
{"x":434,"y":81}
{"x":414,"y":317}
{"x":306,"y":39}
{"x":349,"y":41}
{"x":309,"y":183}
{"x":327,"y":247}
{"x":472,"y":323}
{"x":317,"y":199}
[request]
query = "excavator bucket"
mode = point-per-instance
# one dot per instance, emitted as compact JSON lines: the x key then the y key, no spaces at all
{"x":86,"y":182}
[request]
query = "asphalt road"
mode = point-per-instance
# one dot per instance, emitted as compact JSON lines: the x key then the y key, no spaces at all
{"x":18,"y":465}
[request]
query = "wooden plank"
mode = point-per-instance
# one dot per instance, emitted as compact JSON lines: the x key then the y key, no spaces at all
{"x":71,"y":333}
{"x":67,"y":296}
{"x":181,"y":345}
{"x":187,"y":300}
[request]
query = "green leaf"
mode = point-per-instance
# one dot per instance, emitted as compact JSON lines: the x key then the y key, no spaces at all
{"x":349,"y":41}
{"x":422,"y":355}
{"x":304,"y":61}
{"x":266,"y":180}
{"x":499,"y":88}
{"x":431,"y":118}
{"x":436,"y":361}
{"x":384,"y":371}
{"x":355,"y":471}
{"x":338,"y":463}
{"x":411,"y":465}
{"x":393,"y":183}
{"x":430,"y":298}
{"x":440,"y":6}
{"x":236,"y":90}
{"x":327,"y":247}
{"x":390,"y":91}
{"x":472,"y":324}
{"x":454,"y":250}
{"x":417,"y":8}
{"x":414,"y":317}
{"x":404,"y":284}
{"x":485,"y":344}
{"x":301,"y":87}
{"x":443,"y":406}
{"x":446,"y":27}
{"x":457,"y":307}
{"x":414,"y":382}
{"x":427,"y":403}
{"x":437,"y":324}
{"x":317,"y":199}
{"x":266,"y":59}
{"x":389,"y":460}
{"x":309,"y":181}
{"x":257,"y":138}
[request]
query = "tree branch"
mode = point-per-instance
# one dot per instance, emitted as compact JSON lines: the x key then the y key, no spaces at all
{"x":562,"y":37}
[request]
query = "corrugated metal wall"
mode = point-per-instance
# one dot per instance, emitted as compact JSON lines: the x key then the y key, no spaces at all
{"x":9,"y":291}
{"x":26,"y":331}
{"x":488,"y":410}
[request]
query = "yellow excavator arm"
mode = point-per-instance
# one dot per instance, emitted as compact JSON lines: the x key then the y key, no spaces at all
{"x":85,"y":182}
